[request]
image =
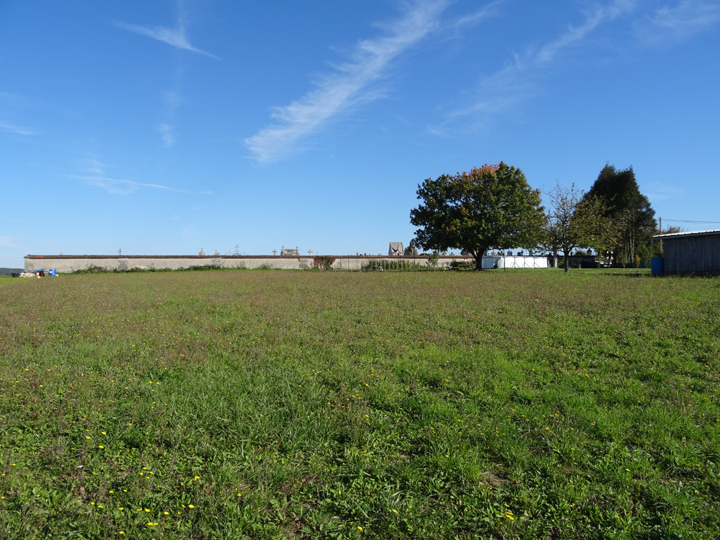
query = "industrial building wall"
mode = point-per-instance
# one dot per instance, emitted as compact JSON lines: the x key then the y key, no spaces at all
{"x":692,"y":254}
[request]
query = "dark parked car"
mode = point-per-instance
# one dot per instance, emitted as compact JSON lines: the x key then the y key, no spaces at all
{"x":588,"y":262}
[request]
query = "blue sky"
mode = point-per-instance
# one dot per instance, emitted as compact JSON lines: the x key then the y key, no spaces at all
{"x":166,"y":127}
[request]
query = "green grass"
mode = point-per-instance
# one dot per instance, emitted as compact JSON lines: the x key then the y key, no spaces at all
{"x":505,"y":404}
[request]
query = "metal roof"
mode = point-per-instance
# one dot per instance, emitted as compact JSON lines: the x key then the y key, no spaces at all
{"x":691,"y":233}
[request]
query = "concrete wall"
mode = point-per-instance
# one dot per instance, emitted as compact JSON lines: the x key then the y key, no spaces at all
{"x":66,"y":264}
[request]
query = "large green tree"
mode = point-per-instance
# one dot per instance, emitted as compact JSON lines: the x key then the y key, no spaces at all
{"x":490,"y":206}
{"x":629,"y":210}
{"x":573,"y":221}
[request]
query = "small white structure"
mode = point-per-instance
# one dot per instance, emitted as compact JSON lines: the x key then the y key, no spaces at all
{"x":523,"y":261}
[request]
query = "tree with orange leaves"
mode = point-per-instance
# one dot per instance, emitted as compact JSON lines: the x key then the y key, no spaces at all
{"x":490,"y":206}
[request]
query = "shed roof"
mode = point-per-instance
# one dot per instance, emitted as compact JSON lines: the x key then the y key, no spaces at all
{"x":684,"y":234}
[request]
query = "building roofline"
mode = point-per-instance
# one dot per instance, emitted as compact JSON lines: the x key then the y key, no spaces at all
{"x":205,"y":257}
{"x":690,"y":233}
{"x":313,"y":256}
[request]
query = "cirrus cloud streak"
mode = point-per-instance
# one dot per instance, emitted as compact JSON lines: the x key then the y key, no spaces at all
{"x":352,"y":83}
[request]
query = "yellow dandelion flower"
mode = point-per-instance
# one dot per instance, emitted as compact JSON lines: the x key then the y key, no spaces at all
{"x":359,"y":528}
{"x":190,"y":506}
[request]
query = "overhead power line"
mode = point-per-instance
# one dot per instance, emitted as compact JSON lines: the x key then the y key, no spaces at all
{"x":690,"y":221}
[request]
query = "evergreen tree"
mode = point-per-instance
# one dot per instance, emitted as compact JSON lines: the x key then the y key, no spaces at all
{"x":629,"y":210}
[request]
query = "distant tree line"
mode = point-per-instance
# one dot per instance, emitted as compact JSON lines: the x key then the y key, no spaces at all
{"x":493,"y":206}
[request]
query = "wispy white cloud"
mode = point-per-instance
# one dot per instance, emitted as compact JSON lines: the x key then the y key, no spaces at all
{"x":172,"y":101}
{"x":7,"y":241}
{"x":18,"y":130}
{"x":95,"y":176}
{"x":518,"y":79}
{"x":352,"y":83}
{"x":93,"y":166}
{"x":681,"y":20}
{"x":477,"y":16}
{"x":166,"y":131}
{"x":176,"y":37}
{"x":657,"y":192}
{"x":126,"y":187}
{"x":167,"y":128}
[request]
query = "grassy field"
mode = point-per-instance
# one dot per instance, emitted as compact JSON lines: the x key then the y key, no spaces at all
{"x":270,"y":404}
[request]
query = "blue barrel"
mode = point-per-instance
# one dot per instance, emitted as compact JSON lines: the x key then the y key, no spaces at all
{"x":53,"y":272}
{"x":657,"y":266}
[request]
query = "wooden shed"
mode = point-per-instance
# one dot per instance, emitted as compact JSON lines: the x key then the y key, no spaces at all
{"x":691,"y":252}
